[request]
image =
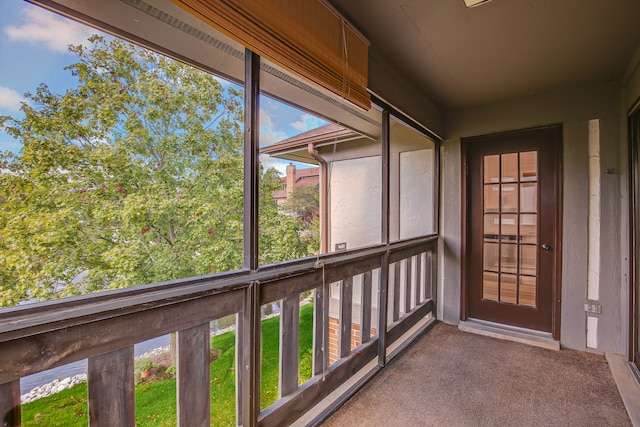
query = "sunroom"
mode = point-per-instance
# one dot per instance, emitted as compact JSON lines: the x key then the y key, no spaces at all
{"x":478,"y":172}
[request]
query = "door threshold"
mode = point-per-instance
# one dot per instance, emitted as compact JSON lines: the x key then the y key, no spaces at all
{"x":510,"y":333}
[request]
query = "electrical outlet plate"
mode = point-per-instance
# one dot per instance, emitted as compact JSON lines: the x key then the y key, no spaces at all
{"x":593,"y":308}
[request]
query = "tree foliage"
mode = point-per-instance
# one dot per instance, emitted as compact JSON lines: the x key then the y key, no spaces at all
{"x":133,"y":176}
{"x":304,"y":202}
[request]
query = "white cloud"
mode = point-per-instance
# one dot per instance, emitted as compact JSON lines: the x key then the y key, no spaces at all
{"x":10,"y":99}
{"x":273,"y":162}
{"x":308,"y":122}
{"x":269,"y":133}
{"x":41,"y":26}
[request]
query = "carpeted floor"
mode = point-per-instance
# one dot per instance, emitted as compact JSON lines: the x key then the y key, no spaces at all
{"x":451,"y":378}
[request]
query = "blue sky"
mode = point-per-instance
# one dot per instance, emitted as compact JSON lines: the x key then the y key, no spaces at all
{"x":33,"y":45}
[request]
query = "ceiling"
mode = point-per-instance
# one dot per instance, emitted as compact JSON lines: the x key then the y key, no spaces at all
{"x":501,"y":50}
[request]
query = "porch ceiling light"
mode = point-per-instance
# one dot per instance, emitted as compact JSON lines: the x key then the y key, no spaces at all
{"x":474,"y":3}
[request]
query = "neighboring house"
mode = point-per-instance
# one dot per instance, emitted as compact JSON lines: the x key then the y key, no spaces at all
{"x":295,"y":178}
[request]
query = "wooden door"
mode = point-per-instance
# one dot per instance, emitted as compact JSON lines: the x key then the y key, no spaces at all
{"x":512,"y":243}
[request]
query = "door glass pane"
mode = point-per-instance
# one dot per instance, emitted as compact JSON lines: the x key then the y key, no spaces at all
{"x":491,"y":198}
{"x":490,"y":257}
{"x":529,"y":197}
{"x":490,"y":286}
{"x":509,"y":198}
{"x":508,"y":258}
{"x":491,"y":169}
{"x":509,"y":229}
{"x":527,"y":295}
{"x":508,"y":288}
{"x":528,"y":263}
{"x":509,"y":167}
{"x":529,"y":166}
{"x":491,"y":227}
{"x":528,"y":228}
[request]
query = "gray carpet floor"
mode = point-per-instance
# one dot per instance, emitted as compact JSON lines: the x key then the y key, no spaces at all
{"x":452,"y":378}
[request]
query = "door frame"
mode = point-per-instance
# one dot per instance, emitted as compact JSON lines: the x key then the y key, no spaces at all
{"x":634,"y":232}
{"x":556,"y":289}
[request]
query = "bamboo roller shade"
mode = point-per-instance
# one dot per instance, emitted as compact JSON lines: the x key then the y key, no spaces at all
{"x":307,"y":37}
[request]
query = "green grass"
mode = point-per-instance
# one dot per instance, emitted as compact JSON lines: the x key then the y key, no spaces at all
{"x":156,"y":402}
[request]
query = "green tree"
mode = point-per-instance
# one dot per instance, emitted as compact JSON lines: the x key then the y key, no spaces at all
{"x":304,"y":202}
{"x":133,"y":176}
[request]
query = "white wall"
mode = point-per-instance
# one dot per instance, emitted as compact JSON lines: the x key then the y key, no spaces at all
{"x":416,"y":193}
{"x":355,"y":202}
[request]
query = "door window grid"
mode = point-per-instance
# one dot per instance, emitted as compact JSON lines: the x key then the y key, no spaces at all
{"x":510,"y":228}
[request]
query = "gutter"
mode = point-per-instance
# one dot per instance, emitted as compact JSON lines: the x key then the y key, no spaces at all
{"x":324,"y":188}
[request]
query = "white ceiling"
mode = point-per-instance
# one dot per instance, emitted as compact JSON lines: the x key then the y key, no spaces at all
{"x":501,"y":50}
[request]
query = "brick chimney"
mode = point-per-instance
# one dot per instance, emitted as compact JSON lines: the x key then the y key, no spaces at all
{"x":291,"y":179}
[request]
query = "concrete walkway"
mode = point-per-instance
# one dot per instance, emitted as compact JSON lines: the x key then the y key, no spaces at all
{"x":451,"y":378}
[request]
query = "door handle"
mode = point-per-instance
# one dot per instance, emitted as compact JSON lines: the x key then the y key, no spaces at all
{"x":546,"y":247}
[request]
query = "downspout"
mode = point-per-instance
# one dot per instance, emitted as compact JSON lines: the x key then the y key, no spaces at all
{"x":324,"y":187}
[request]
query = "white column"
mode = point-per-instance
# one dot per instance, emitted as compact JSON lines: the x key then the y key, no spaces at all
{"x":593,"y":261}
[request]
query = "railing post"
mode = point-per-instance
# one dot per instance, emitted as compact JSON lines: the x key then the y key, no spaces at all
{"x":289,"y":344}
{"x":418,"y":284}
{"x":194,"y":376}
{"x":10,"y":414}
{"x":408,"y":272}
{"x":248,"y":358}
{"x":346,"y":317}
{"x":396,"y":291}
{"x":365,"y":308}
{"x":434,"y":273}
{"x":382,"y":310}
{"x":110,"y":384}
{"x":320,"y":329}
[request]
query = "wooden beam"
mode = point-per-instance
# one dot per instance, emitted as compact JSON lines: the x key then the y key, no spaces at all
{"x":385,"y":177}
{"x":286,"y":410}
{"x":285,"y":288}
{"x":111,"y":386}
{"x":34,"y":354}
{"x":251,"y":158}
{"x":407,"y":252}
{"x":399,"y":328}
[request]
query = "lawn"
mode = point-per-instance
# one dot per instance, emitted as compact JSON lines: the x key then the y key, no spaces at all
{"x":156,"y":402}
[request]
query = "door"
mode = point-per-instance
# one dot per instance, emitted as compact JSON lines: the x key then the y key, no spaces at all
{"x":512,"y":245}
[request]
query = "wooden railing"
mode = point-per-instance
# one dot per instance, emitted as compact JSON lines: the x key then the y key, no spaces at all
{"x":397,"y":289}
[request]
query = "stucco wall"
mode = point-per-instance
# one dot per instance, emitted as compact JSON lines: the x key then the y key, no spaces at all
{"x":411,"y":194}
{"x":573,"y":109}
{"x":355,"y":202}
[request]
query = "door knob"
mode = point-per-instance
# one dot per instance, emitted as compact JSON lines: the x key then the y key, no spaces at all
{"x":546,"y":247}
